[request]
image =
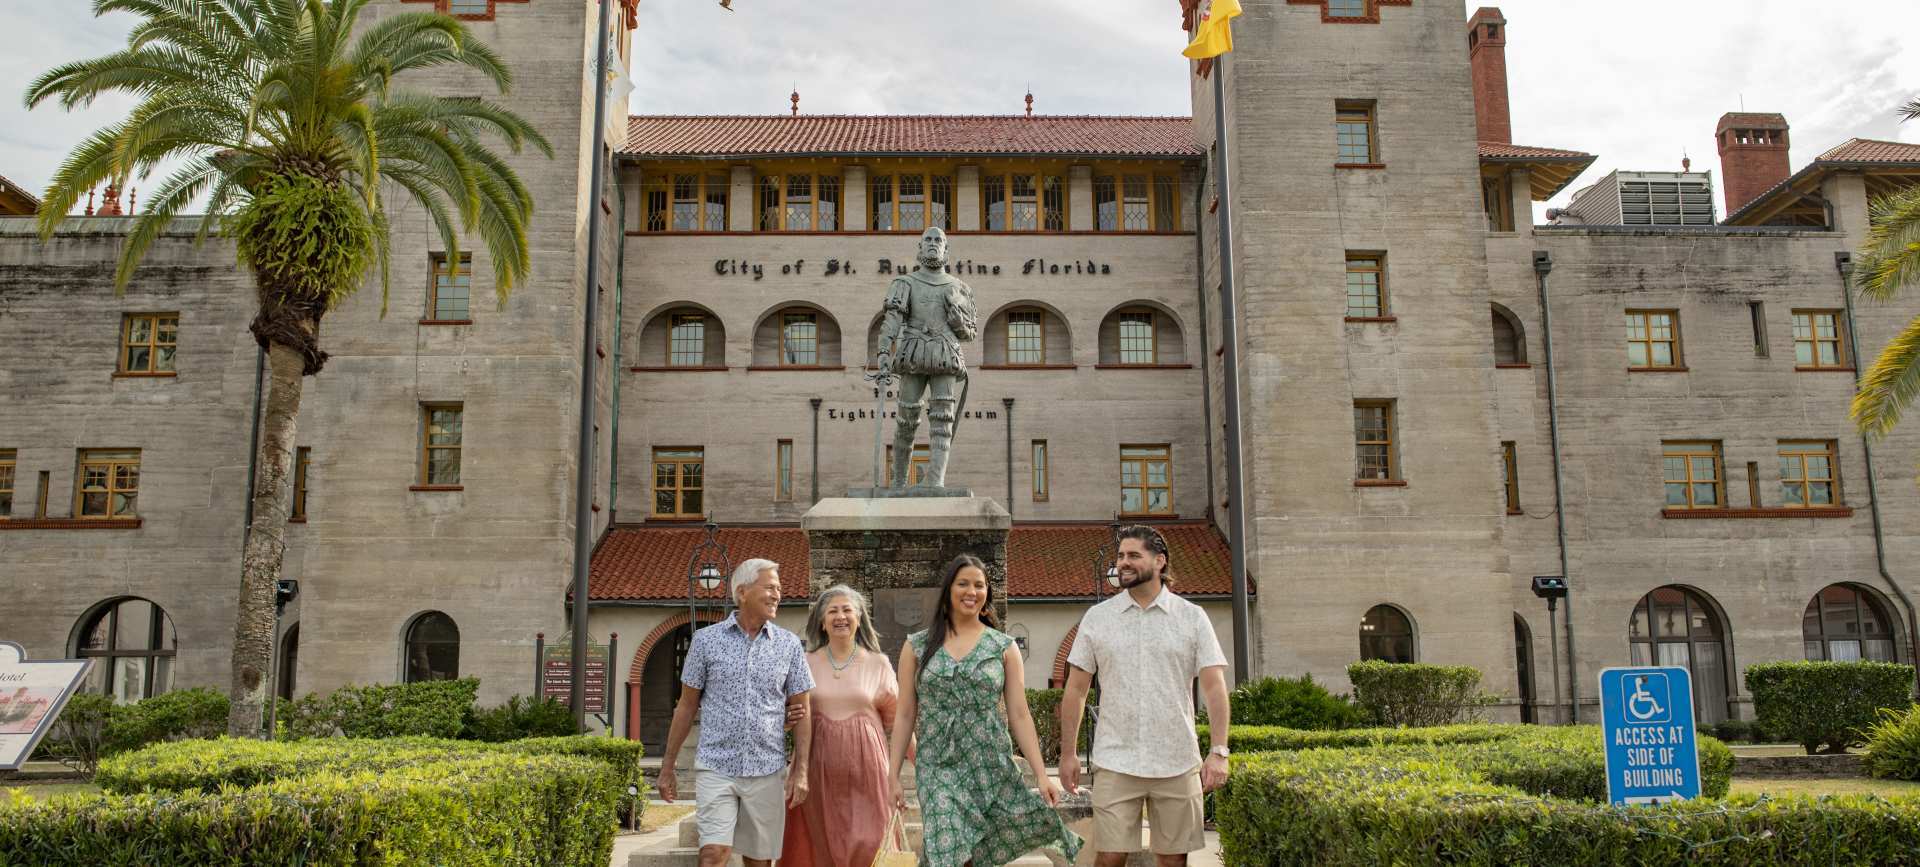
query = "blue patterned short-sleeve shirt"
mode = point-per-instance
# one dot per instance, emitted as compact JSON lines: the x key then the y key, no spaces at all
{"x":744,"y":686}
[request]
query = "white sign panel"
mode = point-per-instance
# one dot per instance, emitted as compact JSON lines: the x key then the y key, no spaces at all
{"x":32,"y":692}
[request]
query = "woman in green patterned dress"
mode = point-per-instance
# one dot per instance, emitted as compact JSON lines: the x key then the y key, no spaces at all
{"x":974,"y":805}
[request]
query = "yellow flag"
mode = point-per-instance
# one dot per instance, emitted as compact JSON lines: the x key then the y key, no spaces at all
{"x":1212,"y":36}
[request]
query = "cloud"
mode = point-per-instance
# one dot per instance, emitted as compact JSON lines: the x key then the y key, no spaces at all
{"x":1639,"y":82}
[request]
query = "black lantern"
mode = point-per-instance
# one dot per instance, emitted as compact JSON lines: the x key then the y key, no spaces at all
{"x":706,"y":571}
{"x":1105,"y":573}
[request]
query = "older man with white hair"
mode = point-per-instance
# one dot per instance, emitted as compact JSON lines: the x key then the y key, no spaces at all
{"x":742,"y":673}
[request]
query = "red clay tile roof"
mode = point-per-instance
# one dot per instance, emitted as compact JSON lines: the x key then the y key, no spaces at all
{"x":1501,"y":151}
{"x":1044,"y":560}
{"x":1863,"y":150}
{"x":1853,"y":153}
{"x":823,"y":134}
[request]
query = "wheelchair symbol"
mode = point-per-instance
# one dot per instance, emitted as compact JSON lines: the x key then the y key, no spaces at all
{"x":1642,"y":705}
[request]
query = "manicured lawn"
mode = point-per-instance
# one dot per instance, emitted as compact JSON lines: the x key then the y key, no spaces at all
{"x":48,"y":790}
{"x":1829,"y":786}
{"x":659,"y":816}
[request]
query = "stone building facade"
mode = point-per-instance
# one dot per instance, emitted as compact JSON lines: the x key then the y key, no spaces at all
{"x":1415,"y":452}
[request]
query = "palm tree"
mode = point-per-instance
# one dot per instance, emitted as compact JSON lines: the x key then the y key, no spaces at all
{"x":1890,"y":260}
{"x":289,"y":123}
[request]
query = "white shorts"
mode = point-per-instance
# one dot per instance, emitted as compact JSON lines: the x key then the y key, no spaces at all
{"x":746,"y":813}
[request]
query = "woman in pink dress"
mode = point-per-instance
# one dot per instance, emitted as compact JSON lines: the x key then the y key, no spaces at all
{"x":848,"y":808}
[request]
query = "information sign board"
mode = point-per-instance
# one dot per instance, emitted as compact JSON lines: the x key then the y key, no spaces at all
{"x":556,"y":675}
{"x":1653,"y":754}
{"x":32,"y":693}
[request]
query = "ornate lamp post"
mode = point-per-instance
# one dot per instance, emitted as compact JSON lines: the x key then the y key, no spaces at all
{"x":706,"y":571}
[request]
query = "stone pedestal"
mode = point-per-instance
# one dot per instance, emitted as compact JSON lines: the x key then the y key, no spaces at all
{"x":893,"y":550}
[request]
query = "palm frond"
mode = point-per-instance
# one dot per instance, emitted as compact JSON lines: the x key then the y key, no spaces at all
{"x":1890,"y":256}
{"x":1890,"y":385}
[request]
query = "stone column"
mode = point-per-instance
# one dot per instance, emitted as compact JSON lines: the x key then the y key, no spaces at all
{"x":853,"y":199}
{"x":966,"y":198}
{"x":1080,"y":198}
{"x":742,"y":207}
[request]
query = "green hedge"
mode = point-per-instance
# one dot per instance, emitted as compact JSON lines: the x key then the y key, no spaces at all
{"x":1826,"y":707}
{"x":92,"y":726}
{"x":1414,"y":694}
{"x":1294,"y":702}
{"x":209,"y":766}
{"x":486,"y":808}
{"x":521,"y":717}
{"x":1045,"y":707}
{"x":1557,"y":760}
{"x":433,"y":708}
{"x":1411,"y":805}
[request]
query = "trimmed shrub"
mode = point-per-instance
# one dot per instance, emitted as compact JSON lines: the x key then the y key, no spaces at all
{"x":1044,"y":704}
{"x":1826,"y":707}
{"x":520,"y":717}
{"x":1408,"y":805}
{"x":1732,"y":730}
{"x":1893,"y":745}
{"x":79,"y":734}
{"x":1557,"y":760}
{"x":1293,"y":702}
{"x":474,"y":809}
{"x":1417,"y":695}
{"x":433,"y":708}
{"x":182,"y":714}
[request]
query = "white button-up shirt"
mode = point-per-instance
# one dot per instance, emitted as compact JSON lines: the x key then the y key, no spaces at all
{"x":1146,"y":659}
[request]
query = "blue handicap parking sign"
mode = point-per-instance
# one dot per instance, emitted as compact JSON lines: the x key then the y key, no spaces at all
{"x":1653,"y":755}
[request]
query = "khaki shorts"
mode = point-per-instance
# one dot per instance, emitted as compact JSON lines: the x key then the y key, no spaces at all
{"x":1174,"y":806}
{"x":747,"y":813}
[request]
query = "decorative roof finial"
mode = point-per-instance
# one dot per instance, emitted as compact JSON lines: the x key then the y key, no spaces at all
{"x":89,"y":201}
{"x":110,"y":202}
{"x":1029,"y":102}
{"x":1686,"y":162}
{"x":133,"y":200}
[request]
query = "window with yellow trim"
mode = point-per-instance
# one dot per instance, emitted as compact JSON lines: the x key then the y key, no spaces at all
{"x":1042,"y":485}
{"x":1354,"y":129}
{"x":442,"y":432}
{"x":687,"y":340}
{"x":1809,"y":474}
{"x":679,"y":481}
{"x":1693,"y":475}
{"x":1146,"y":479}
{"x":1373,"y":435}
{"x":302,"y":460}
{"x":1023,"y":201}
{"x":1653,"y":339}
{"x":799,"y":339}
{"x":451,"y":293}
{"x":686,"y":201}
{"x":1136,"y":202}
{"x":916,"y":465}
{"x":1366,"y":285}
{"x":1818,"y":340}
{"x":1510,"y":476}
{"x":1026,"y":337}
{"x":799,"y":202}
{"x":783,"y":470}
{"x":909,"y":201}
{"x":148,"y":342}
{"x":1139,"y":336}
{"x":6,"y":482}
{"x":108,"y":484}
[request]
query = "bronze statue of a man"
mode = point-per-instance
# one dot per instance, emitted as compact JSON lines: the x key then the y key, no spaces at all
{"x":929,"y":316}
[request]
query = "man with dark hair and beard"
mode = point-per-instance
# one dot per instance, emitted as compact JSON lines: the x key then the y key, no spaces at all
{"x":1147,"y":645}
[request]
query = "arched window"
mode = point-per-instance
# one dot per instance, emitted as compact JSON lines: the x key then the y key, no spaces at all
{"x":1141,"y":334}
{"x":1386,"y":634}
{"x":133,"y":643}
{"x":1509,"y":339}
{"x":433,"y":648}
{"x":289,"y":661}
{"x":1676,"y":626}
{"x":1026,"y":334}
{"x":681,"y":336}
{"x":1845,"y":624}
{"x":796,"y":336}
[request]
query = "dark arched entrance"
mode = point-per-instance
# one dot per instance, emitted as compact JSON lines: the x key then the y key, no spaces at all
{"x":660,"y":687}
{"x":1523,"y":665}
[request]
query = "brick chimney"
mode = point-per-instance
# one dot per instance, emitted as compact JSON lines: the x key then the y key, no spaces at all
{"x":1753,"y":155}
{"x":1487,"y":46}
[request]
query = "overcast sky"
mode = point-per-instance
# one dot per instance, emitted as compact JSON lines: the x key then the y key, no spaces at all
{"x":1638,"y":82}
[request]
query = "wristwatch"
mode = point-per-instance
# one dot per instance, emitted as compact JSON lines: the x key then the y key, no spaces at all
{"x":1222,"y":752}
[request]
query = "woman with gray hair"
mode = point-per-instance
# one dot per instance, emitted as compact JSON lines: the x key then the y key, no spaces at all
{"x":848,"y":813}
